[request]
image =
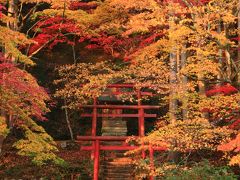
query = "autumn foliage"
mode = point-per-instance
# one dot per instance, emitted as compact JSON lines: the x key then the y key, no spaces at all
{"x":186,"y":52}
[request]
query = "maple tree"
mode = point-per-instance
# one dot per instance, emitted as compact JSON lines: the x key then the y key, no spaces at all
{"x":185,"y":51}
{"x":193,"y":43}
{"x":23,"y":101}
{"x":202,"y":59}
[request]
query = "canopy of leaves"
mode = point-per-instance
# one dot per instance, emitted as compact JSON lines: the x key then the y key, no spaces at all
{"x":22,"y":98}
{"x":187,"y":136}
{"x":142,"y":37}
{"x":80,"y":83}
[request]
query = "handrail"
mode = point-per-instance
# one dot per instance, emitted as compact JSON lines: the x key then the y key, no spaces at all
{"x":104,"y":138}
{"x":119,"y":115}
{"x":120,"y":106}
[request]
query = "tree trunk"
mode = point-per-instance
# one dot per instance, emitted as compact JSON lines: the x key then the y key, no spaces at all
{"x":173,"y":82}
{"x":200,"y":75}
{"x":173,"y":103}
{"x":173,"y":73}
{"x":202,"y":91}
{"x":184,"y":83}
{"x":238,"y":75}
{"x":220,"y":51}
{"x":66,"y":110}
{"x":12,"y":12}
{"x":68,"y":121}
{"x":2,"y":136}
{"x":1,"y":143}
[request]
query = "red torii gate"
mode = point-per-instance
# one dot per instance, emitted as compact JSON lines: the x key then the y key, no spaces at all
{"x":96,"y":147}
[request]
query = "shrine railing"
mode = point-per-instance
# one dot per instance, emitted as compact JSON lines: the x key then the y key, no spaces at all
{"x":96,"y":147}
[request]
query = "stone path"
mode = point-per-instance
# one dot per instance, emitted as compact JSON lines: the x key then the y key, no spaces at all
{"x":115,"y":165}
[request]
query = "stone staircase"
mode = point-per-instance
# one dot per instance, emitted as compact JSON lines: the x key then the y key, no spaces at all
{"x":117,"y":167}
{"x":113,"y":126}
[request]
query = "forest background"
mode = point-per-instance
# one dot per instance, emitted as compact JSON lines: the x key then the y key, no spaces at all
{"x":185,"y":51}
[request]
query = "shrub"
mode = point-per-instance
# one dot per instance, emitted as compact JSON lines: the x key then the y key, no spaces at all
{"x":202,"y":171}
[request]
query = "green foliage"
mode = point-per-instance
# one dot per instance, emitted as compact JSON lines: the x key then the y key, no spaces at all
{"x":14,"y":170}
{"x":202,"y":171}
{"x":38,"y":145}
{"x":11,"y":40}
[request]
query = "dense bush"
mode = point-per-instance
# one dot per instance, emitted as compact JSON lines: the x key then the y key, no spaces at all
{"x":203,"y":170}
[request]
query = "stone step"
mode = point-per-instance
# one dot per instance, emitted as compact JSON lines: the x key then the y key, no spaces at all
{"x":112,"y":159}
{"x":114,"y":143}
{"x":120,"y":170}
{"x":114,"y":129}
{"x":121,"y":163}
{"x":116,"y":166}
{"x":117,"y":152}
{"x":119,"y":178}
{"x":121,"y":167}
{"x":116,"y":172}
{"x":108,"y":160}
{"x":111,"y":174}
{"x":118,"y":126}
{"x":113,"y":123}
{"x":114,"y":155}
{"x":113,"y":134}
{"x":113,"y":166}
